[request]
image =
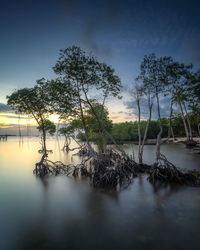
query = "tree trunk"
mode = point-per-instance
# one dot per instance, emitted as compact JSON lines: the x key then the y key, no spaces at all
{"x":104,"y":144}
{"x":198,"y":127}
{"x":105,"y":131}
{"x":102,"y":126}
{"x":57,"y":129}
{"x":91,"y":150}
{"x":170,"y":120}
{"x":188,"y":121}
{"x":147,"y":126}
{"x":183,"y":118}
{"x":160,"y":132}
{"x":74,"y":138}
{"x":170,"y":130}
{"x":67,"y":143}
{"x":44,"y":141}
{"x":139,"y":132}
{"x":86,"y":132}
{"x":20,"y":134}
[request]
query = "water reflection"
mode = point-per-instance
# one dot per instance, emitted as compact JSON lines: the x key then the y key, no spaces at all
{"x":66,"y":213}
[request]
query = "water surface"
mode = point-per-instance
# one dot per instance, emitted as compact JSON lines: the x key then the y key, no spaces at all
{"x":64,"y":213}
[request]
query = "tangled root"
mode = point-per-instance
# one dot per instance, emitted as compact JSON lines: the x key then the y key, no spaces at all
{"x":104,"y":170}
{"x":190,"y":143}
{"x":49,"y":168}
{"x":113,"y":170}
{"x":46,"y":167}
{"x":42,"y":151}
{"x":166,"y":172}
{"x":83,"y":151}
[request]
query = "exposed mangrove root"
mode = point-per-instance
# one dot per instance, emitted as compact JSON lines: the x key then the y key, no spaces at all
{"x":113,"y":170}
{"x":83,"y":151}
{"x":66,"y":148}
{"x":190,"y":143}
{"x":166,"y":172}
{"x":42,"y":151}
{"x":47,"y":168}
{"x":66,"y":144}
{"x":104,"y":170}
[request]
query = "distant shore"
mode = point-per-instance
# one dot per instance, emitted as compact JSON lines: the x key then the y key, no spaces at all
{"x":183,"y":139}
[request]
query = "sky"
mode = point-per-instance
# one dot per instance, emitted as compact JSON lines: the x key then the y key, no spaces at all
{"x":119,"y":33}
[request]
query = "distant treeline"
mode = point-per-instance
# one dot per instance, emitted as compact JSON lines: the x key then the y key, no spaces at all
{"x":128,"y":131}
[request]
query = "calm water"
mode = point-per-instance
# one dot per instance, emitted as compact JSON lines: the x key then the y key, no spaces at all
{"x":63,"y":213}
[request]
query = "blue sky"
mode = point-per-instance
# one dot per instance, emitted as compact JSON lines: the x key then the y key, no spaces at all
{"x":118,"y":32}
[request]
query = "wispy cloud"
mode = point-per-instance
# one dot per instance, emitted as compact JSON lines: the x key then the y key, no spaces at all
{"x":164,"y":108}
{"x":190,"y":49}
{"x":115,"y":117}
{"x":2,"y":125}
{"x":12,"y":116}
{"x":5,"y":108}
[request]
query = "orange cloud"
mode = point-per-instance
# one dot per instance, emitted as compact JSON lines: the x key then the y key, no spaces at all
{"x":6,"y":126}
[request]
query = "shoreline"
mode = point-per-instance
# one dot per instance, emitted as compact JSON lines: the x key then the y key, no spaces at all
{"x":182,"y":140}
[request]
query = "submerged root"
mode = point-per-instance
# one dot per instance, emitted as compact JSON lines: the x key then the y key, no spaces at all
{"x":83,"y":151}
{"x":113,"y":170}
{"x":190,"y":143}
{"x":47,"y":168}
{"x":42,"y":151}
{"x":104,"y":170}
{"x":166,"y":172}
{"x":66,"y":148}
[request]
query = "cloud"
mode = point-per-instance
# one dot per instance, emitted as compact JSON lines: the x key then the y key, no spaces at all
{"x":92,"y":19}
{"x":13,"y":129}
{"x":5,"y":108}
{"x":2,"y":125}
{"x":164,"y":108}
{"x":129,"y":113}
{"x":115,"y":117}
{"x":190,"y":50}
{"x":12,"y":115}
{"x":151,"y":41}
{"x":89,"y":40}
